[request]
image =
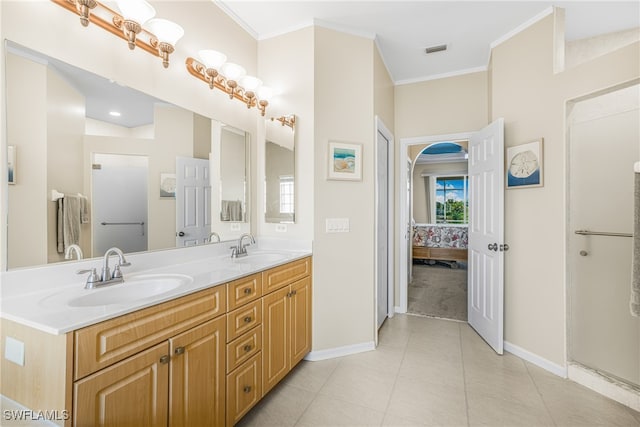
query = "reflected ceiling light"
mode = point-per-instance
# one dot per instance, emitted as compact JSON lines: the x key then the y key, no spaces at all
{"x":115,"y":113}
{"x":230,"y":78}
{"x":159,"y":40}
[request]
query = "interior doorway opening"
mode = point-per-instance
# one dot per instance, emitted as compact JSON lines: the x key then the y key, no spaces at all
{"x":439,"y":230}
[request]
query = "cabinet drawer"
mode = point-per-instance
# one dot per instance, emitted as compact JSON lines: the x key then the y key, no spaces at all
{"x":103,"y":344}
{"x":243,"y":319}
{"x":243,"y":348}
{"x":283,"y":275}
{"x":242,"y":291}
{"x":244,"y":388}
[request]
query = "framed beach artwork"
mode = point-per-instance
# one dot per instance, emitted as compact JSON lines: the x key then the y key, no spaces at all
{"x":168,"y":185}
{"x":524,"y":165}
{"x":11,"y":163}
{"x":345,"y":161}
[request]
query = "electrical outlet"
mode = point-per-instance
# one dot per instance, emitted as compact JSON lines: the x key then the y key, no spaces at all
{"x":281,"y":228}
{"x":14,"y":351}
{"x":234,"y":227}
{"x":337,"y":225}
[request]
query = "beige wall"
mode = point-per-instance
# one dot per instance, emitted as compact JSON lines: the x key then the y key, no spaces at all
{"x":65,"y":128}
{"x":343,"y":262}
{"x":383,"y":91}
{"x":443,"y":106}
{"x":28,"y":213}
{"x":532,"y":100}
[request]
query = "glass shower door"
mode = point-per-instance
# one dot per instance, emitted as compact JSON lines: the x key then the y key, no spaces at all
{"x":604,"y":143}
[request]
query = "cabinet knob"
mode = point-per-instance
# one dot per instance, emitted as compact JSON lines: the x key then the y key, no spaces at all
{"x":247,"y":291}
{"x":247,"y":348}
{"x":289,"y":294}
{"x":247,"y":319}
{"x":179,"y":350}
{"x":247,"y":389}
{"x":165,"y":359}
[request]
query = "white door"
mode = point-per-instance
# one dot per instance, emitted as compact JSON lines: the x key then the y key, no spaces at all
{"x":193,"y":201}
{"x":486,"y":232}
{"x":382,"y":229}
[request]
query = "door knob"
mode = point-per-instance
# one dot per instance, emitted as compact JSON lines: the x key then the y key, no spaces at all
{"x":504,"y":247}
{"x":493,"y":247}
{"x":181,"y":234}
{"x":584,"y":253}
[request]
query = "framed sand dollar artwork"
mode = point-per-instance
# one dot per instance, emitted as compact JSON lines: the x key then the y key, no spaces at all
{"x":345,"y":161}
{"x":524,"y":165}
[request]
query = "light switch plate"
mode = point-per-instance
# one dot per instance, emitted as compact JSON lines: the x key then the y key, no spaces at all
{"x":337,"y":225}
{"x":14,"y":351}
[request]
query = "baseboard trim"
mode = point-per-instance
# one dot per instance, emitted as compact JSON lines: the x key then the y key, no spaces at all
{"x":346,"y":350}
{"x":618,"y":391}
{"x":541,"y":362}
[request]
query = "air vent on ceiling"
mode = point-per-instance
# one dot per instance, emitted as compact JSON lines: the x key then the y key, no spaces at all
{"x":434,"y":49}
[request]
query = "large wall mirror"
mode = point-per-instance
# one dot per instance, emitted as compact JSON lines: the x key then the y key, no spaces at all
{"x":97,"y":164}
{"x":280,"y":170}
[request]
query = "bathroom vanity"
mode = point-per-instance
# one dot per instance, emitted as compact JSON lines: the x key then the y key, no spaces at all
{"x":204,"y":357}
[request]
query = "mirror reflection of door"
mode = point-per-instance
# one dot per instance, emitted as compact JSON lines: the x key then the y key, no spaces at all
{"x":120,"y":202}
{"x":193,"y":201}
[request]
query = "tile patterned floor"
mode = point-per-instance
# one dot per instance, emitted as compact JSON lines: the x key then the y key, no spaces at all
{"x":431,"y":372}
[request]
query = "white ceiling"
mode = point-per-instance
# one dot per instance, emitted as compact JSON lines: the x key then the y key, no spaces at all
{"x":403,"y":29}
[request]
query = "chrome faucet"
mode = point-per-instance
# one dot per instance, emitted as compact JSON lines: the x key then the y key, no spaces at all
{"x":107,"y":278}
{"x":68,"y":253}
{"x":212,"y":234}
{"x":240,"y":249}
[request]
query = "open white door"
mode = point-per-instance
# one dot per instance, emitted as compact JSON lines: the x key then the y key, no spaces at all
{"x":486,"y":233}
{"x":193,"y":201}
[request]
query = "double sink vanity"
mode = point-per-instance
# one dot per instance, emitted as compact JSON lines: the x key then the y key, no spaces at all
{"x":190,"y":337}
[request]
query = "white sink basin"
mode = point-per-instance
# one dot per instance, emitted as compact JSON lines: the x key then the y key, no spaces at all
{"x":132,"y":289}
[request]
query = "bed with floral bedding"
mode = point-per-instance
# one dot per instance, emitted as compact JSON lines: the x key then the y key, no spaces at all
{"x":444,"y":242}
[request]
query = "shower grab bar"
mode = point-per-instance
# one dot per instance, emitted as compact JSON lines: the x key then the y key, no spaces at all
{"x":602,"y":233}
{"x":125,"y":223}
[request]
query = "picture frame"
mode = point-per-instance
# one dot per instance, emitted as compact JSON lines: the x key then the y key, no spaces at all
{"x":167,"y":185}
{"x":11,"y":164}
{"x":525,"y":165}
{"x":345,"y":161}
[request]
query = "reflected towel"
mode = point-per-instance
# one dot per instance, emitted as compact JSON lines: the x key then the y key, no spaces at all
{"x":59,"y":233}
{"x":84,"y":210}
{"x":231,"y":210}
{"x":68,"y":231}
{"x":635,"y":276}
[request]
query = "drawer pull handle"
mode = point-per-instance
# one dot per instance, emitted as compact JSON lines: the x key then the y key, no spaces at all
{"x":247,"y":348}
{"x":179,"y":350}
{"x":165,"y":359}
{"x":247,"y":291}
{"x":247,"y":389}
{"x":247,"y":319}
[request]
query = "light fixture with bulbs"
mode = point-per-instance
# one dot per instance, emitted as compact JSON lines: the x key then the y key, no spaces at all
{"x":289,"y":120}
{"x":230,"y":78}
{"x":159,"y":39}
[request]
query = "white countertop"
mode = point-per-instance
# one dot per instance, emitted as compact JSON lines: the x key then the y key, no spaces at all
{"x":36,"y":297}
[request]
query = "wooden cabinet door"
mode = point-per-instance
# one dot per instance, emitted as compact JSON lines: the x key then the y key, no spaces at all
{"x":300,"y":309}
{"x":131,"y":393}
{"x":275,"y":344}
{"x":244,"y":389}
{"x":197,"y":374}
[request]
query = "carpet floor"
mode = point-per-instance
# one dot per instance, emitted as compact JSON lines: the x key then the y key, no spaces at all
{"x":439,"y":290}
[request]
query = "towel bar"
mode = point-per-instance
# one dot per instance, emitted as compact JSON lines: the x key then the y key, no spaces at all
{"x":125,"y":223}
{"x":602,"y":233}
